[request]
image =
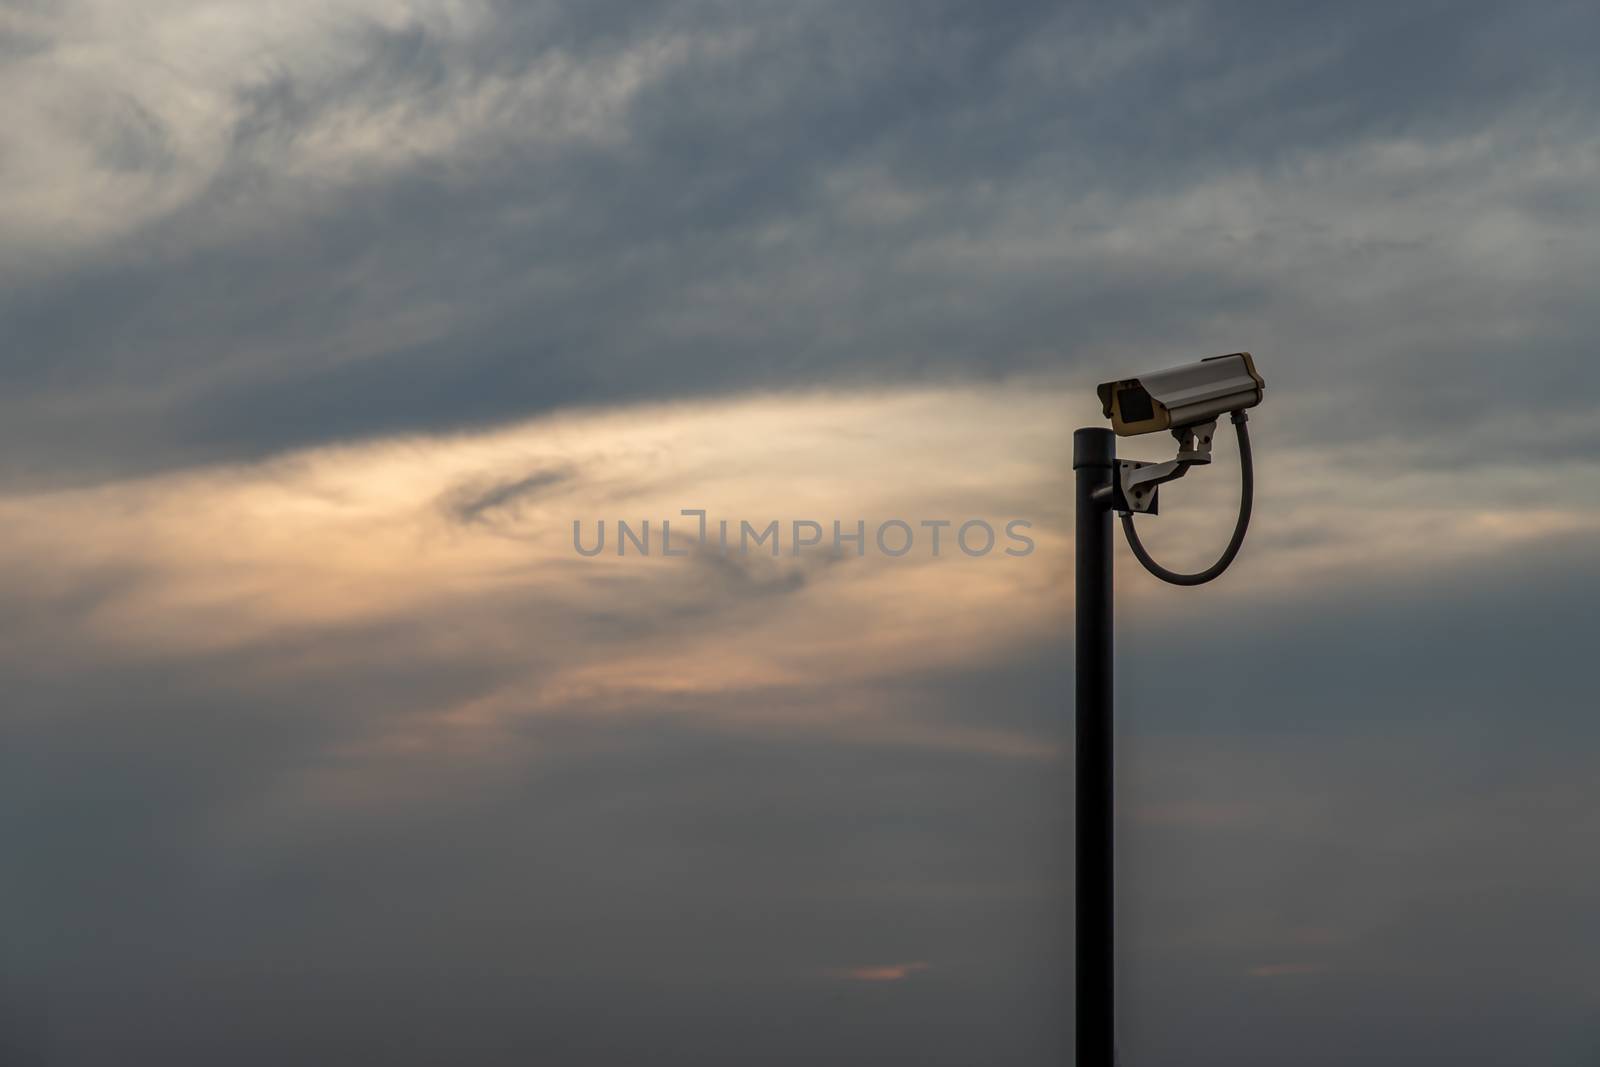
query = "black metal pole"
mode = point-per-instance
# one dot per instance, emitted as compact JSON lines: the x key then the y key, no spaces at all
{"x":1094,"y":457}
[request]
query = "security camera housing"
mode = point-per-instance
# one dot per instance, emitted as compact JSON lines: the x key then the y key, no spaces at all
{"x":1183,"y":396}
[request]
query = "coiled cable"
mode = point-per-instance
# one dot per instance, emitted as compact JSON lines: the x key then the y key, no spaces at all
{"x":1246,"y":499}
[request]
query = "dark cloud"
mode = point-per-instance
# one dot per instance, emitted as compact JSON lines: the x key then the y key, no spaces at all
{"x":1330,"y":807}
{"x":451,"y":225}
{"x":474,"y":503}
{"x":1354,"y":819}
{"x":608,"y":891}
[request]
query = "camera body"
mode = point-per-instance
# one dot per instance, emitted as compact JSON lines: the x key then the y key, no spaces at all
{"x":1182,"y":396}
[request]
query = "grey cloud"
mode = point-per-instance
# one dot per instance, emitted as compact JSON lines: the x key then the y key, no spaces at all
{"x":754,"y":574}
{"x":231,"y":856}
{"x":836,"y":195}
{"x":473,"y":503}
{"x":681,"y":876}
{"x":605,"y":889}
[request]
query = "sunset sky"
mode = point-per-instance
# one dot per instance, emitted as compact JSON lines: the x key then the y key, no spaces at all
{"x":324,"y":322}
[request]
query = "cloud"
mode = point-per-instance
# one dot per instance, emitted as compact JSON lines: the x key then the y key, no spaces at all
{"x":323,"y":324}
{"x":882,"y":972}
{"x":443,"y":541}
{"x":473,"y":503}
{"x":296,"y":718}
{"x":382,"y":218}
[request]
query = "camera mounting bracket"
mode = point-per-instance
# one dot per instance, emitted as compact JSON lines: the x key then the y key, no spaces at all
{"x":1137,"y":480}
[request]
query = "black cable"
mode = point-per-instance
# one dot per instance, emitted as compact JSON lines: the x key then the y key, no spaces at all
{"x":1246,"y":498}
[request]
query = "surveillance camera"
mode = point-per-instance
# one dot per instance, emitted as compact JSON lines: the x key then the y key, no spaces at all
{"x":1183,"y":396}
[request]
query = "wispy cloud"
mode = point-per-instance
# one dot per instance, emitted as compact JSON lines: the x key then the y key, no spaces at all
{"x":881,"y":972}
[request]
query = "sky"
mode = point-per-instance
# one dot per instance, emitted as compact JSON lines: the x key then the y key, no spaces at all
{"x":324,"y":323}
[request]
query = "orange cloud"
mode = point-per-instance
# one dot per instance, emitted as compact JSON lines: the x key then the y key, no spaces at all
{"x":881,"y":972}
{"x":459,"y":547}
